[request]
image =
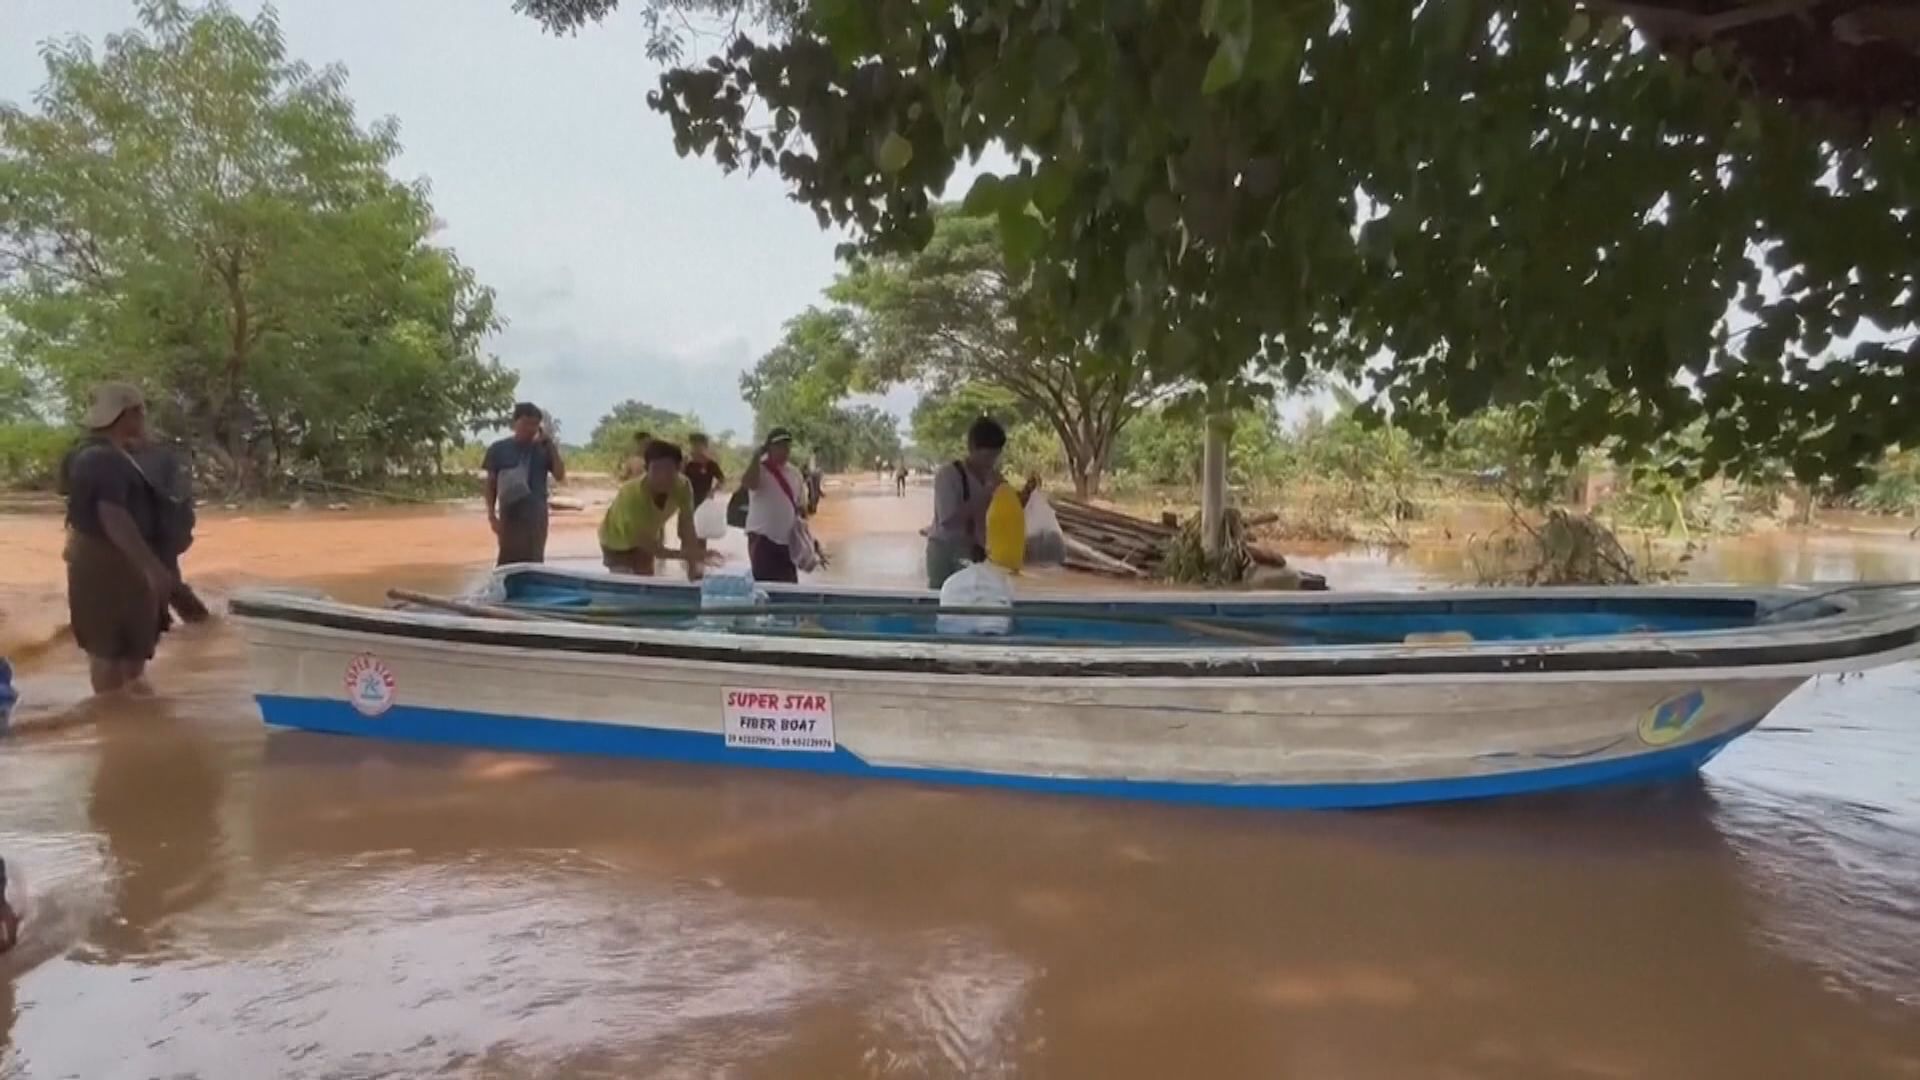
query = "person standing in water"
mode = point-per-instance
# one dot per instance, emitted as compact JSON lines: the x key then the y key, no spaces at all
{"x":962,"y":491}
{"x":773,"y":486}
{"x":816,"y":485}
{"x":517,"y":470}
{"x":633,"y":535}
{"x":701,"y":470}
{"x":636,"y":464}
{"x":900,"y":481}
{"x":118,"y":583}
{"x":172,"y":484}
{"x":9,"y":918}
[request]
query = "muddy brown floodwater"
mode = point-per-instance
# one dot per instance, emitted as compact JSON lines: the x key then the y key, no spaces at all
{"x":212,"y":899}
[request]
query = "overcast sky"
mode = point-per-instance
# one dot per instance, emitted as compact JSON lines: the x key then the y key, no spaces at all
{"x":624,"y":270}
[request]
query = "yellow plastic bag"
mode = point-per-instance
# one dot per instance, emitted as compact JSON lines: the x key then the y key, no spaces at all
{"x":1006,"y":530}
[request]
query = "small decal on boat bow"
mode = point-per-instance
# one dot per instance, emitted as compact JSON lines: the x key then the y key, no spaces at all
{"x":779,"y":720}
{"x":1672,"y":718}
{"x":370,"y":685}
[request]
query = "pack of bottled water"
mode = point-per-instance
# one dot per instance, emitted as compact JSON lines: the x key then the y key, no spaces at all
{"x":732,"y":591}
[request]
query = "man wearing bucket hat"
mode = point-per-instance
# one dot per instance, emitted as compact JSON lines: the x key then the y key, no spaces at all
{"x":117,"y":581}
{"x":772,"y":484}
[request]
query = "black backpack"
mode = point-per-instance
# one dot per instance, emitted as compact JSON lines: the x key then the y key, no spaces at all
{"x":977,"y":552}
{"x":737,"y":509}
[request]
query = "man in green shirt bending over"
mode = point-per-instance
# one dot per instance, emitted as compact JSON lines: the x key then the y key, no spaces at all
{"x":633,"y":536}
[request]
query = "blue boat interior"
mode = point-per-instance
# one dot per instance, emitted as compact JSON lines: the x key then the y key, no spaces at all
{"x":1148,"y":621}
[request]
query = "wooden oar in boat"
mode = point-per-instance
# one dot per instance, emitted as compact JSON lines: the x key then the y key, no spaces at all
{"x":463,"y":607}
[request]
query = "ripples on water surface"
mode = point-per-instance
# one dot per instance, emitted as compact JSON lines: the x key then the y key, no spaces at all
{"x":213,"y":900}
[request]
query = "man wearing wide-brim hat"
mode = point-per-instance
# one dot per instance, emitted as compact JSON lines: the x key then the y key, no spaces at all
{"x":117,"y":583}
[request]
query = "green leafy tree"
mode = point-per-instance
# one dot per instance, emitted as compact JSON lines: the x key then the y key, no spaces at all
{"x":952,"y":315}
{"x":1495,"y":448}
{"x":802,"y":384}
{"x":671,"y":25}
{"x":195,"y":210}
{"x":942,"y":415}
{"x":1895,"y":488}
{"x":1508,"y":200}
{"x":615,"y":431}
{"x":1163,"y":448}
{"x":16,"y":395}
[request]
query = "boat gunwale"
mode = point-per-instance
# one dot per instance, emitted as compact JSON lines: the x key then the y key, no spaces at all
{"x":1491,"y":601}
{"x":1869,"y":629}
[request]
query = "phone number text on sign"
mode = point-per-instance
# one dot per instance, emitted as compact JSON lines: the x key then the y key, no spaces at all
{"x":779,"y":720}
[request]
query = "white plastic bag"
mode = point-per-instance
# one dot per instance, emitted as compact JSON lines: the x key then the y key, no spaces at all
{"x":1046,"y":542}
{"x":710,"y":520}
{"x":980,"y":585}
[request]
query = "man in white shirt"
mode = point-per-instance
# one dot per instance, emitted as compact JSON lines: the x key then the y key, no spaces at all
{"x":775,"y":490}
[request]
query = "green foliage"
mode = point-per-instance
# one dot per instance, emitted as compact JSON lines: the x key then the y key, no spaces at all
{"x":16,"y":395}
{"x":1188,"y":561}
{"x":1164,"y":447}
{"x":802,"y":383}
{"x":611,"y":443}
{"x":30,"y":454}
{"x":1509,"y":200}
{"x":1497,"y":449}
{"x":615,"y":431}
{"x":1033,"y":450}
{"x":195,"y":211}
{"x":671,"y":25}
{"x":954,"y":315}
{"x":942,"y":415}
{"x":1565,"y":549}
{"x":1895,"y":487}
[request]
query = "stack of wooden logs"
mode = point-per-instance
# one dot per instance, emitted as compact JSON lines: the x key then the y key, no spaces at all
{"x":1103,"y":541}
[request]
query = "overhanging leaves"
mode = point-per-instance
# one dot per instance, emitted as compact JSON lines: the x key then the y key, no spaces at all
{"x":1563,"y":216}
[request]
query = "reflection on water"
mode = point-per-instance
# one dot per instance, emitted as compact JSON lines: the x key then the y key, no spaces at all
{"x":214,"y":900}
{"x":165,"y":861}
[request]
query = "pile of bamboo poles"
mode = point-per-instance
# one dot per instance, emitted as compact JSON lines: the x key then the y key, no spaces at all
{"x":1103,"y":541}
{"x":1107,"y":542}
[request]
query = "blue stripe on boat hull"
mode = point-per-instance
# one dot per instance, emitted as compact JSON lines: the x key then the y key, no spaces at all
{"x":496,"y":732}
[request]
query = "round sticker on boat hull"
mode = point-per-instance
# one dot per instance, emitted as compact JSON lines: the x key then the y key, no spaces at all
{"x":1672,"y":718}
{"x":370,"y":685}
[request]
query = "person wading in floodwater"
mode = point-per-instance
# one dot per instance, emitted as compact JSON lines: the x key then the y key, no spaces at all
{"x":633,"y":535}
{"x":9,"y":918}
{"x":118,"y":584}
{"x":701,"y":470}
{"x":517,"y":470}
{"x":962,"y":491}
{"x":172,"y":483}
{"x":774,"y":502}
{"x":816,"y":485}
{"x":636,"y":464}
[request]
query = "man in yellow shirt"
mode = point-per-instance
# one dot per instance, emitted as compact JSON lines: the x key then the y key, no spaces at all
{"x":633,"y":535}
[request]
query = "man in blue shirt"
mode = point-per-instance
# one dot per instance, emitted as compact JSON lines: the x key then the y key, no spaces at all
{"x":517,"y":470}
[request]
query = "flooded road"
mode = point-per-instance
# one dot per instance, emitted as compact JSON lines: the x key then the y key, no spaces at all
{"x":211,"y":899}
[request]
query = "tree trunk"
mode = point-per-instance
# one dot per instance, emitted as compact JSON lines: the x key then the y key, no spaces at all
{"x":240,"y":326}
{"x":1213,"y":473}
{"x":1080,"y":461}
